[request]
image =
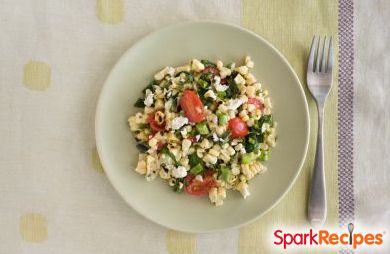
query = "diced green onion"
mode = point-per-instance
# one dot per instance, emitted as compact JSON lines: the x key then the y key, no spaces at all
{"x":223,"y":119}
{"x":202,"y":83}
{"x":202,"y":128}
{"x":246,"y":158}
{"x":194,"y":160}
{"x":198,"y":169}
{"x":264,"y":156}
{"x":252,"y":139}
{"x":225,"y":173}
{"x":221,"y":94}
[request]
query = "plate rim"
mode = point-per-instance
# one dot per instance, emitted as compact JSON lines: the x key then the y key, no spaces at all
{"x":133,"y":47}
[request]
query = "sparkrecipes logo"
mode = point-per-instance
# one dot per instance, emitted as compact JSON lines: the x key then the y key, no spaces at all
{"x":327,"y":238}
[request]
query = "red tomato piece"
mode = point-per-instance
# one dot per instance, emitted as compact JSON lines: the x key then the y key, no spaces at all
{"x":154,"y":125}
{"x":238,"y":127}
{"x":255,"y":102}
{"x":192,"y":106}
{"x":224,"y":81}
{"x":198,"y":188}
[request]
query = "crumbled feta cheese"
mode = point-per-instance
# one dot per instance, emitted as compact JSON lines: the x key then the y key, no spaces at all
{"x":217,"y":80}
{"x":210,"y":94}
{"x":215,"y":137}
{"x":234,"y":104}
{"x":179,"y":172}
{"x":239,"y":80}
{"x":178,"y":122}
{"x":149,"y":98}
{"x":218,"y":86}
{"x":197,"y":137}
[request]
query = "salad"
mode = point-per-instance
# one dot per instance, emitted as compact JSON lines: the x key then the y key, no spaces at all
{"x":205,"y":127}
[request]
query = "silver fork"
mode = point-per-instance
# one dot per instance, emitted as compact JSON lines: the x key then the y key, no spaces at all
{"x":319,"y":80}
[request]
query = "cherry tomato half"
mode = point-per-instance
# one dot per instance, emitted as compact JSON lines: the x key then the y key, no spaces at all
{"x":197,"y":188}
{"x":255,"y":102}
{"x":192,"y":106}
{"x":238,"y":127}
{"x":154,"y":125}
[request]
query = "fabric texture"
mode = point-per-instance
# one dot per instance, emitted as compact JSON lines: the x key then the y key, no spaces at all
{"x":293,"y":39}
{"x":371,"y":110}
{"x":54,"y":58}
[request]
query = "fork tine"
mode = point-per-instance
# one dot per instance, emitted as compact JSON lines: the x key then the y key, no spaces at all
{"x":324,"y":57}
{"x":319,"y":56}
{"x":310,"y":65}
{"x":330,"y":56}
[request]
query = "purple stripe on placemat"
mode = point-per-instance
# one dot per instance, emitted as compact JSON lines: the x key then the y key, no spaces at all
{"x":345,"y":115}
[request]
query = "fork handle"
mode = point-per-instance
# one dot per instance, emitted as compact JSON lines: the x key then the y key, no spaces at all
{"x":317,"y":200}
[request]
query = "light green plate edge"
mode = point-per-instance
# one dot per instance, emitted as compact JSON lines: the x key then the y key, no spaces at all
{"x":174,"y":45}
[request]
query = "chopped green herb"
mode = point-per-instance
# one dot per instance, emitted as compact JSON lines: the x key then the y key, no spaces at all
{"x":178,"y":187}
{"x":194,"y":160}
{"x":249,"y":147}
{"x":266,"y":119}
{"x":202,"y":128}
{"x":142,"y":147}
{"x":208,"y":63}
{"x":232,"y":90}
{"x":151,"y":86}
{"x":198,"y":169}
{"x":206,"y":77}
{"x":139,"y":103}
